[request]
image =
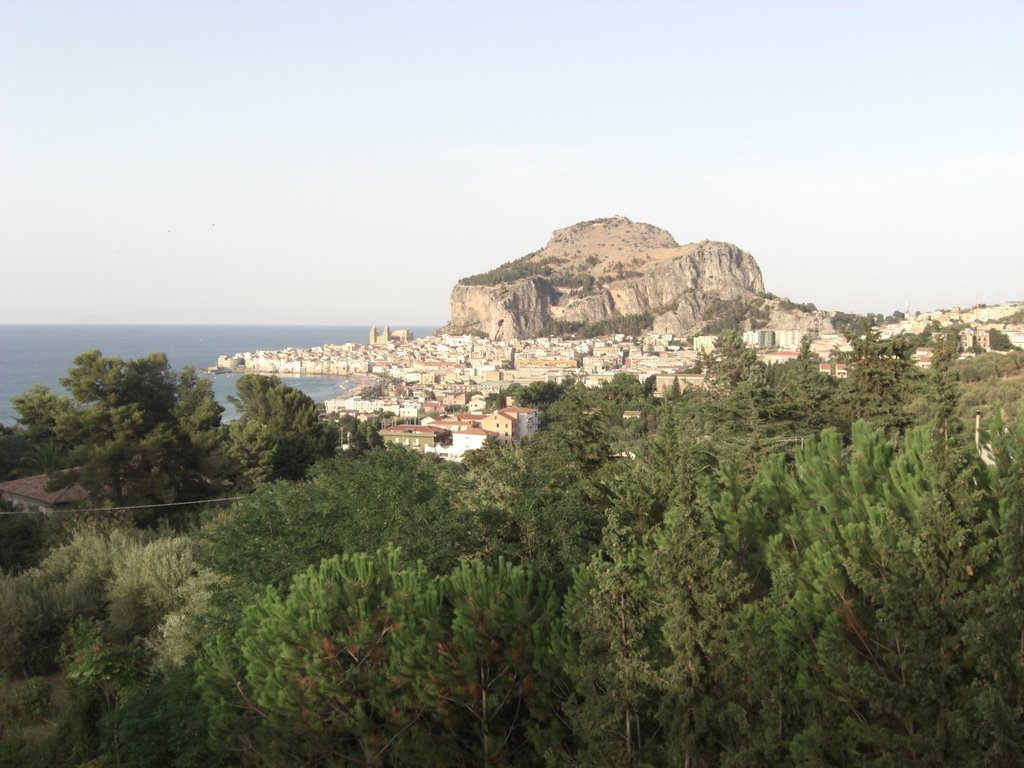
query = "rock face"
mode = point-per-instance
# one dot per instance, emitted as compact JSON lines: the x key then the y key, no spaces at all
{"x":601,"y":270}
{"x":509,"y":311}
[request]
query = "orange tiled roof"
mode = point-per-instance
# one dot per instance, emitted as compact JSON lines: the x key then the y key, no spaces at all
{"x":503,"y":414}
{"x":412,"y":429}
{"x":467,"y":416}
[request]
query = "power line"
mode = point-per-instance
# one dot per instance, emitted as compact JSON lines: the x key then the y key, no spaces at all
{"x":137,"y":506}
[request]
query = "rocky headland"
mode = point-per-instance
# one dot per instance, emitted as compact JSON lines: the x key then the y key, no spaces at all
{"x":615,"y":275}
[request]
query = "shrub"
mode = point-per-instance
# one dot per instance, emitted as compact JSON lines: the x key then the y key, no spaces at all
{"x":32,"y":698}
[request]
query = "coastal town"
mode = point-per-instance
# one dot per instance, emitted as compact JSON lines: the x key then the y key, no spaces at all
{"x":432,"y":391}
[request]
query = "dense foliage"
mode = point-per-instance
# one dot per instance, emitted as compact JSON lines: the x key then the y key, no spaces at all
{"x":779,"y":569}
{"x":722,"y":315}
{"x":517,"y":269}
{"x":629,"y":325}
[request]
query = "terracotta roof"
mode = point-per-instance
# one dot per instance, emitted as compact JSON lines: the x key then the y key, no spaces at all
{"x":412,"y":429}
{"x":34,"y":488}
{"x":466,"y":416}
{"x":460,"y":425}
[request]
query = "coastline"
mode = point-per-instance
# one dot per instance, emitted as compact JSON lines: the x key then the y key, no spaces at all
{"x":32,"y":354}
{"x":354,"y":380}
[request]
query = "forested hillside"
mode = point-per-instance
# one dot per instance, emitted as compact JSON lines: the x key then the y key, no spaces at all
{"x":779,"y":569}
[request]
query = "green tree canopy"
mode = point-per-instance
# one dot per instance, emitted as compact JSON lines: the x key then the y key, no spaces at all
{"x":138,"y":431}
{"x":881,"y":381}
{"x":278,"y":433}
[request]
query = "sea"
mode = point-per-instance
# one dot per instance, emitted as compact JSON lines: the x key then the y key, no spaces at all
{"x":42,"y":354}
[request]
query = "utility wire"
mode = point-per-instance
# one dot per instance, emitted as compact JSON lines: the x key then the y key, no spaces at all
{"x":138,"y":506}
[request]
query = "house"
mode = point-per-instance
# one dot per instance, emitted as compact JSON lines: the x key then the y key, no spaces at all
{"x":471,"y":439}
{"x":408,"y":409}
{"x":467,"y":419}
{"x":704,"y":344}
{"x":440,"y":435}
{"x":420,"y":437}
{"x":779,"y":356}
{"x":30,"y":494}
{"x":663,"y":382}
{"x":835,"y":370}
{"x":529,"y":420}
{"x":454,"y":425}
{"x":523,"y":363}
{"x":504,"y":426}
{"x":975,"y":337}
{"x":512,"y":425}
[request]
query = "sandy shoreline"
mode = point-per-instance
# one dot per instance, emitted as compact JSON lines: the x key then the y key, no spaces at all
{"x":356,"y":381}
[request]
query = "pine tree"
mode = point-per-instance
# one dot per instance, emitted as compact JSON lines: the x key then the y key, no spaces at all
{"x":880,"y":570}
{"x":487,"y":680}
{"x":699,"y":596}
{"x":309,"y":677}
{"x":994,"y":631}
{"x":613,"y":640}
{"x":138,"y":431}
{"x":812,"y":390}
{"x":881,"y":380}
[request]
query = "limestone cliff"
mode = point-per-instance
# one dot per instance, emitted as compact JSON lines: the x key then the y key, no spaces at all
{"x":599,"y":271}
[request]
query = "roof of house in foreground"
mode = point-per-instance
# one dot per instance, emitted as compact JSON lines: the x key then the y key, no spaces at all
{"x":35,"y":488}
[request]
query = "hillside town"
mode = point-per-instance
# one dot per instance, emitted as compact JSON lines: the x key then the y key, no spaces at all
{"x":432,"y":392}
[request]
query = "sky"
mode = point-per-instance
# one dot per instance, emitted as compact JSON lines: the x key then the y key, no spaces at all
{"x":338,"y":163}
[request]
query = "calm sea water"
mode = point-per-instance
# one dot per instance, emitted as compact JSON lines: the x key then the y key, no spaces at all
{"x":42,"y":354}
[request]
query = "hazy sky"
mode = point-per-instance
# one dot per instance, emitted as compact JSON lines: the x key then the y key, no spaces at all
{"x":208,"y":161}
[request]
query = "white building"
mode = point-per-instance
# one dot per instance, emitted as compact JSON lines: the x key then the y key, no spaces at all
{"x":704,"y":343}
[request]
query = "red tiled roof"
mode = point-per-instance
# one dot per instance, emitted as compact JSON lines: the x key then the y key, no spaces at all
{"x":412,"y":429}
{"x":34,"y":488}
{"x":503,"y":415}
